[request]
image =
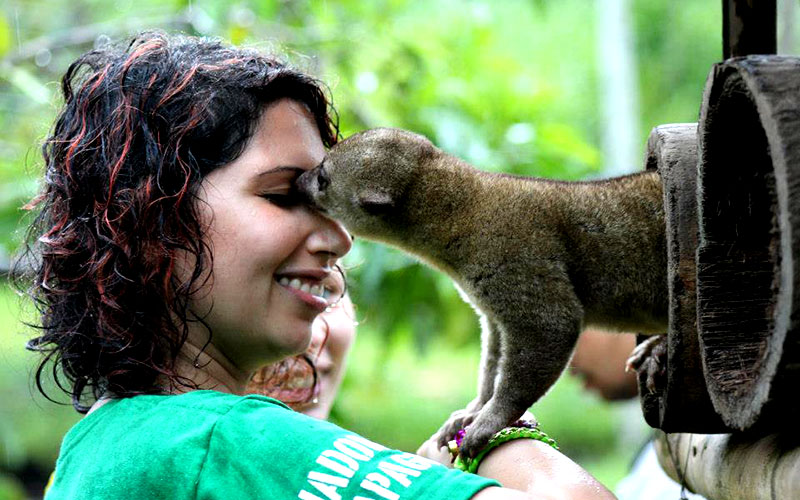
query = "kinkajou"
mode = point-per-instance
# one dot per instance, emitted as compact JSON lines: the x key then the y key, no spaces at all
{"x":538,"y":259}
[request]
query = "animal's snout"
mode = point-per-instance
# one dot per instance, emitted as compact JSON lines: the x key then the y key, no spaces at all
{"x":307,"y":184}
{"x":310,"y":185}
{"x":323,"y":180}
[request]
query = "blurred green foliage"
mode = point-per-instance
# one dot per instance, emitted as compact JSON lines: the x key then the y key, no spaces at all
{"x":509,"y":86}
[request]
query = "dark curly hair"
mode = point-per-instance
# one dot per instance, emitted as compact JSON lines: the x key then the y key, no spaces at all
{"x":142,"y":123}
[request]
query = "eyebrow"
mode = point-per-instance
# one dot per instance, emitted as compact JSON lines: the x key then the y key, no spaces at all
{"x":282,"y":168}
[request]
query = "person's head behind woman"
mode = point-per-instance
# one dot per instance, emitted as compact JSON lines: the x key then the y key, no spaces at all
{"x":142,"y":124}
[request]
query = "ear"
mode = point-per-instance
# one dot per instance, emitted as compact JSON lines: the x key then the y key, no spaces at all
{"x":375,"y":202}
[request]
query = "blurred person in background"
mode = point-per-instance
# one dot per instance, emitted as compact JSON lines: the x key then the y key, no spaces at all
{"x":599,"y":361}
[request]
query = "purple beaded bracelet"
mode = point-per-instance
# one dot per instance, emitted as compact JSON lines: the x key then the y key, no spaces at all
{"x":517,"y":430}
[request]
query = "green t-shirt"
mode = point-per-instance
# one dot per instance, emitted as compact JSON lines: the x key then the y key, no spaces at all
{"x":209,"y":445}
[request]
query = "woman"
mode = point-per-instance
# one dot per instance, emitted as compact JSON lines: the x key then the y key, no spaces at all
{"x":176,"y":260}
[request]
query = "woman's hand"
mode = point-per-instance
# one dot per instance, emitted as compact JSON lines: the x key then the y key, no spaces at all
{"x":430,"y":449}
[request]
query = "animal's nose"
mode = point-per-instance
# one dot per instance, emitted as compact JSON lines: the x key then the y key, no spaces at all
{"x":323,"y":180}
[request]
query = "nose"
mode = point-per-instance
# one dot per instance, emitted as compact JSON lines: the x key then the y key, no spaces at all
{"x":323,"y":180}
{"x":330,"y":239}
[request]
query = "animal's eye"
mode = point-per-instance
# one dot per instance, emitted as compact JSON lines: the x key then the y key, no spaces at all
{"x":375,"y":202}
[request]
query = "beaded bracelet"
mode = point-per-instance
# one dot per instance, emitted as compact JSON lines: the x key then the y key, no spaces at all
{"x":507,"y":434}
{"x":455,"y":444}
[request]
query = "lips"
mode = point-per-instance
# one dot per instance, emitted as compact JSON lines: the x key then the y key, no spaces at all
{"x":317,"y":288}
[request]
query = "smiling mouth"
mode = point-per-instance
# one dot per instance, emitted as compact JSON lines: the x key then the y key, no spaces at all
{"x":316,"y":289}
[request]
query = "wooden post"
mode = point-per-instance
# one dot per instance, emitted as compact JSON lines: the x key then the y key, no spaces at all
{"x":681,"y":403}
{"x":749,"y":27}
{"x":748,"y":256}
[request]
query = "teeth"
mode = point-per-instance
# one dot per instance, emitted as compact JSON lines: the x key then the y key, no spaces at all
{"x":317,"y":290}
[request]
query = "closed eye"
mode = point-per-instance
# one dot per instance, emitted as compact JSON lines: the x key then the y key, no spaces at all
{"x":284,"y":200}
{"x":276,"y":185}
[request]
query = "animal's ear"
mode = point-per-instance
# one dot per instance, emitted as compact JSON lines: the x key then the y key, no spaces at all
{"x":375,"y":202}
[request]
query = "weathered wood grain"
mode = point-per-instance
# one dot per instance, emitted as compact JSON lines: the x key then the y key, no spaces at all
{"x":681,"y":402}
{"x":748,"y":273}
{"x":733,"y":467}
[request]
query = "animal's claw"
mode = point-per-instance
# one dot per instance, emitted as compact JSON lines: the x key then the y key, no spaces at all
{"x":649,"y":358}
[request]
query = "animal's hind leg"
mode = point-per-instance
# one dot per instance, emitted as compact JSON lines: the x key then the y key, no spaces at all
{"x":490,"y":357}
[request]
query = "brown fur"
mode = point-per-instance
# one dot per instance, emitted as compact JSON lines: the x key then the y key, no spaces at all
{"x":538,"y":259}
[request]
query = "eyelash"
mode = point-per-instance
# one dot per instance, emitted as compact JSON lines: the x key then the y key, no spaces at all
{"x":282,"y":200}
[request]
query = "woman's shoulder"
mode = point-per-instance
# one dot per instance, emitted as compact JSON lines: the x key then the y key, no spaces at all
{"x":207,"y":401}
{"x":250,"y":423}
{"x":202,"y":401}
{"x":159,"y":421}
{"x":153,"y":440}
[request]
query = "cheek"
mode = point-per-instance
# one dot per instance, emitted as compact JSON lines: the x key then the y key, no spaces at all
{"x":340,"y":340}
{"x":261,"y":236}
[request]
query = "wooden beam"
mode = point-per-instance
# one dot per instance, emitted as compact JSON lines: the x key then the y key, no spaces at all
{"x":732,"y":466}
{"x":749,"y":27}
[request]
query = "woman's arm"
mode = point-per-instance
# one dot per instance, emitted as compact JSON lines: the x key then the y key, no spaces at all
{"x":528,"y":468}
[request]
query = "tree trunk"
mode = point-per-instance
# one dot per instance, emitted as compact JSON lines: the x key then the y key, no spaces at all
{"x":787,"y":37}
{"x":616,"y":63}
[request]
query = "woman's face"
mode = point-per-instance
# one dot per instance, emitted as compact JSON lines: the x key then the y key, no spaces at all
{"x":271,"y":257}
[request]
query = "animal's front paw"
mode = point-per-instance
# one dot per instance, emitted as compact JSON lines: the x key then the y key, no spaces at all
{"x":480,"y":431}
{"x":457,"y":421}
{"x":650,"y":358}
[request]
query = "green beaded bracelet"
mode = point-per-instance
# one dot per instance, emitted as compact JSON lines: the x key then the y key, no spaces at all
{"x":507,"y":434}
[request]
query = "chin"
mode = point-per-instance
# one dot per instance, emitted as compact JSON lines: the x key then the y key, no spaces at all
{"x":293,"y":345}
